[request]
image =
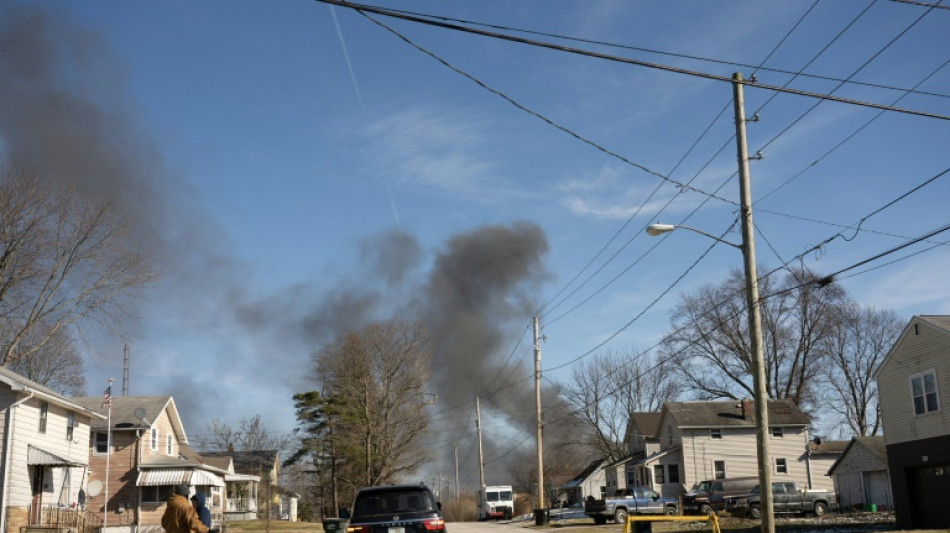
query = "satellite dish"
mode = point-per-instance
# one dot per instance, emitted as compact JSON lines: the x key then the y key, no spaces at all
{"x":140,"y":413}
{"x":95,"y":487}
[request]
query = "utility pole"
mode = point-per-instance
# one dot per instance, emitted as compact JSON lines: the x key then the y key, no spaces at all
{"x":755,"y":323}
{"x":481,"y":457}
{"x":456,"y":472}
{"x":537,"y":395}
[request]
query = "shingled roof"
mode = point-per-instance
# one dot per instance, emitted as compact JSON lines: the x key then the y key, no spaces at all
{"x":123,"y":410}
{"x":19,"y":383}
{"x":248,"y":462}
{"x":729,"y":414}
{"x":875,"y":445}
{"x":649,"y":423}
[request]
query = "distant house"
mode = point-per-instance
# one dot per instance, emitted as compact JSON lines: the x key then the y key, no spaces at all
{"x":590,"y":482}
{"x":913,"y":385}
{"x":716,"y":439}
{"x":254,"y":483}
{"x":242,"y":489}
{"x":147,"y":457}
{"x":45,"y":460}
{"x":818,"y":459}
{"x":860,"y":474}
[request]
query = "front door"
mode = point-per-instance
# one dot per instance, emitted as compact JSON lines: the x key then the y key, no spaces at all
{"x":36,"y":484}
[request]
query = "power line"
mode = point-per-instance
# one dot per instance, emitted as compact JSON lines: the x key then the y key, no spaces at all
{"x":670,"y":54}
{"x":924,"y":4}
{"x":363,"y":9}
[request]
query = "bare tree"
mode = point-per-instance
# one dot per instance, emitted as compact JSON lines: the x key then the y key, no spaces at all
{"x":63,"y":262}
{"x":710,"y":341}
{"x":605,"y":390}
{"x":377,"y":380}
{"x":250,"y":434}
{"x":56,"y":365}
{"x":854,"y":352}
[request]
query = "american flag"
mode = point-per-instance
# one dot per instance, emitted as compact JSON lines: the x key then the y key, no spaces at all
{"x":107,"y":397}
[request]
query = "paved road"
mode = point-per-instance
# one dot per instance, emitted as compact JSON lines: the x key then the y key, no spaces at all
{"x":479,"y":527}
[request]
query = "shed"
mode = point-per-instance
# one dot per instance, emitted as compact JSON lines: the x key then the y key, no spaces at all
{"x":860,"y":475}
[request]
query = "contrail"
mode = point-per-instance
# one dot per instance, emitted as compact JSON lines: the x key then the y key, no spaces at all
{"x":359,"y":97}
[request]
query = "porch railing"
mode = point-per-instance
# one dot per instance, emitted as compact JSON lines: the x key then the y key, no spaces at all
{"x":75,"y":518}
{"x":240,"y":505}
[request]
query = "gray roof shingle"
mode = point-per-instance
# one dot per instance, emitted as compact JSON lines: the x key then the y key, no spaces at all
{"x":729,"y":414}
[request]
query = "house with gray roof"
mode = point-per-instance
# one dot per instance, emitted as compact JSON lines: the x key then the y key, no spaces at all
{"x":137,"y":454}
{"x":716,"y":439}
{"x":45,"y":459}
{"x":860,"y":475}
{"x":252,"y":486}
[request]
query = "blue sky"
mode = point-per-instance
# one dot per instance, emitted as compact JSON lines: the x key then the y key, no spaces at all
{"x":284,"y":142}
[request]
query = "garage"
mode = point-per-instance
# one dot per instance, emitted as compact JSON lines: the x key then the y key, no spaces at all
{"x":929,"y":488}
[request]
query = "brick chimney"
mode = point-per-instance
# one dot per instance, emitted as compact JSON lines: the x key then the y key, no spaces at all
{"x":746,"y":409}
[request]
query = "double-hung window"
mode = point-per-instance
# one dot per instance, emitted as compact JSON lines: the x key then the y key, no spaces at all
{"x":153,"y":441}
{"x":70,"y":425}
{"x":923,"y":387}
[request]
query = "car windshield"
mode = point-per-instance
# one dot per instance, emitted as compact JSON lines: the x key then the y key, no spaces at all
{"x":702,"y":486}
{"x":389,"y":502}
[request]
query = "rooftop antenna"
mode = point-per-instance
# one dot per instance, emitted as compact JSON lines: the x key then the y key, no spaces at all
{"x":126,"y":362}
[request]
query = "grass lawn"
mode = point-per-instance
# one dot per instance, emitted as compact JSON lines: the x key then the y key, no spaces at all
{"x":275,"y":526}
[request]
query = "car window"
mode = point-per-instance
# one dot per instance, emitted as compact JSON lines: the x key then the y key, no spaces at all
{"x":390,"y":502}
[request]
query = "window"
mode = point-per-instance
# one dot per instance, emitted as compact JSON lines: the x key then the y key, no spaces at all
{"x":154,"y":439}
{"x":101,"y":443}
{"x":781,"y":465}
{"x":70,"y":425}
{"x":719,"y":468}
{"x":715,"y":433}
{"x":674,"y":473}
{"x":923,"y":387}
{"x":158,"y":494}
{"x":168,"y":444}
{"x":658,"y":474}
{"x":44,"y":413}
{"x":777,"y":432}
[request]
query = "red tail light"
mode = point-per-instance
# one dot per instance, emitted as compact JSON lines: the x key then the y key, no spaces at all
{"x":434,"y":524}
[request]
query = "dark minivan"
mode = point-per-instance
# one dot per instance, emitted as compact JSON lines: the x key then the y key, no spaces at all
{"x":396,"y":509}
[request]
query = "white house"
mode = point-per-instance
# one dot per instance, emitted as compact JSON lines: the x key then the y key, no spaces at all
{"x":913,"y":386}
{"x":715,"y":440}
{"x":44,"y":466}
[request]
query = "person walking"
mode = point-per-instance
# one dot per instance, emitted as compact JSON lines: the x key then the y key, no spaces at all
{"x":204,"y":514}
{"x":180,"y":516}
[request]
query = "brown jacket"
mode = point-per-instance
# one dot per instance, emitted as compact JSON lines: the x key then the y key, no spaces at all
{"x":180,"y":516}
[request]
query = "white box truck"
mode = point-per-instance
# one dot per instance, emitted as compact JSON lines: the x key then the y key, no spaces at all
{"x":495,"y":501}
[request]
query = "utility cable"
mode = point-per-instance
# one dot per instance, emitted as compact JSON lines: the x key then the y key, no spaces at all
{"x":363,"y":9}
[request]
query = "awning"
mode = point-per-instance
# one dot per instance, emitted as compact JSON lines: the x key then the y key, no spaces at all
{"x":163,"y":476}
{"x":201,"y":477}
{"x":37,"y":456}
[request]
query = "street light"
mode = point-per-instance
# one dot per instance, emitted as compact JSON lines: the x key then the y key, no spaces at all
{"x":758,"y":362}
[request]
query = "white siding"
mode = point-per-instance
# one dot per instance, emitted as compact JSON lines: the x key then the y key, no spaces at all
{"x":737,"y":448}
{"x":26,"y":433}
{"x":913,"y":353}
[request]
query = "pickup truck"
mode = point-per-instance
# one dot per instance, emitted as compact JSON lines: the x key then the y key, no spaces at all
{"x":628,"y":501}
{"x":786,"y":498}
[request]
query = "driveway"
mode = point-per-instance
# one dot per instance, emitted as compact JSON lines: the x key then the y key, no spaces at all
{"x":479,"y":527}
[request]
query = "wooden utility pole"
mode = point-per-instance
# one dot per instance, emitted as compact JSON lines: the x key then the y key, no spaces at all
{"x":537,"y":394}
{"x":755,"y":322}
{"x":456,"y":472}
{"x":481,"y":457}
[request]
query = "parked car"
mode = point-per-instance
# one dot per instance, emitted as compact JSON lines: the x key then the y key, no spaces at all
{"x":628,"y":501}
{"x":710,"y":495}
{"x":405,"y":508}
{"x":786,"y":498}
